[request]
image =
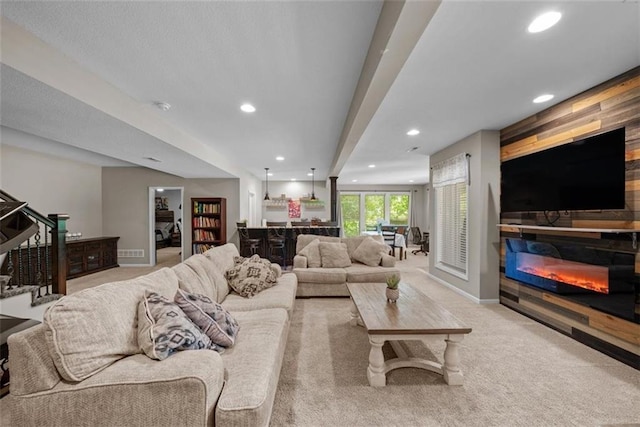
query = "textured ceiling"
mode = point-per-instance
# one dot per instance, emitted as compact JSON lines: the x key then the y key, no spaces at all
{"x":475,"y":67}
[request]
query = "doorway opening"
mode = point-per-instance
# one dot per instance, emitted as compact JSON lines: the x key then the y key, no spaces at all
{"x":166,"y":232}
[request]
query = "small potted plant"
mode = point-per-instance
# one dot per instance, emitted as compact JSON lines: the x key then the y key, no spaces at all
{"x":392,"y":291}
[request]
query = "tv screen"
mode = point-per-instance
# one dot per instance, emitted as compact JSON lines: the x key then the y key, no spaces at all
{"x":588,"y":174}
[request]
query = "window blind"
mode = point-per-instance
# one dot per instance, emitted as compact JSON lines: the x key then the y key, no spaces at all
{"x":450,"y":184}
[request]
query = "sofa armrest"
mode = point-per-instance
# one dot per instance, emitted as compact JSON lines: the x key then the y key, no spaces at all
{"x":135,"y":391}
{"x":299,"y":261}
{"x":388,"y":261}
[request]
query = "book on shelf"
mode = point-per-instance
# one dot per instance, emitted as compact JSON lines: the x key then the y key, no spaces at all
{"x":199,"y":248}
{"x":203,"y":221}
{"x":206,"y":208}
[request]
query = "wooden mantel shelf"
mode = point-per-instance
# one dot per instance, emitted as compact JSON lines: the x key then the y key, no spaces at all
{"x":577,"y":230}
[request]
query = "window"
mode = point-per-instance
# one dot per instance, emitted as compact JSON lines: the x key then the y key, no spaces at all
{"x":450,"y":185}
{"x":362,"y":211}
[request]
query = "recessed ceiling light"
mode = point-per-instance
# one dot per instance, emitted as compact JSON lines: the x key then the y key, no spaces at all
{"x":269,"y":174}
{"x":410,"y":180}
{"x":354,"y":180}
{"x":279,"y":158}
{"x":162,"y":105}
{"x":248,"y":108}
{"x":544,"y":22}
{"x":372,"y":166}
{"x":413,"y":132}
{"x":293,"y":179}
{"x":543,"y":98}
{"x":309,"y":174}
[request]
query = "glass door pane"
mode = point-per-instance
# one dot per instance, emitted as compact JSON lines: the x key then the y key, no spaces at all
{"x":399,"y":209}
{"x":350,"y":208}
{"x":373,"y":210}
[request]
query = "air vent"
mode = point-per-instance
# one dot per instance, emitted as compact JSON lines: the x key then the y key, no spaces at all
{"x":130,"y":253}
{"x":153,"y":159}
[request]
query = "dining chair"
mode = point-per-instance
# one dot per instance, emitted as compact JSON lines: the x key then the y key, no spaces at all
{"x":389,"y":237}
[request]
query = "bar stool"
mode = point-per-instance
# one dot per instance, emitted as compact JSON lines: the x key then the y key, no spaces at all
{"x":247,"y":243}
{"x":277,"y":240}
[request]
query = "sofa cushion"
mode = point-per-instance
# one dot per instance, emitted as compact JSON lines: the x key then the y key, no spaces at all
{"x":163,"y":328}
{"x":320,"y":275}
{"x":253,"y":366}
{"x":77,"y":346}
{"x":334,"y":255}
{"x":216,"y":322}
{"x":222,"y":258}
{"x":208,"y":271}
{"x":251,"y":276}
{"x":355,"y":241}
{"x":370,"y":252}
{"x":359,"y":273}
{"x":312,"y":253}
{"x":304,"y":239}
{"x":192,"y":282}
{"x":282,"y":295}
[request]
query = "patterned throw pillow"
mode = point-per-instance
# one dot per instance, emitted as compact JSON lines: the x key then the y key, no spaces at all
{"x":334,"y":255}
{"x":370,"y":252}
{"x":251,"y":276}
{"x":312,"y":253}
{"x":163,"y":328}
{"x":216,"y":322}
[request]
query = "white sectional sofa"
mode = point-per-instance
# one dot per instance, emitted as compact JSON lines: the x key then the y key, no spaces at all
{"x":92,"y":334}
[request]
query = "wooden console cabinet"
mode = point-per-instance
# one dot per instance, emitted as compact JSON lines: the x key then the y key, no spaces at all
{"x":86,"y":256}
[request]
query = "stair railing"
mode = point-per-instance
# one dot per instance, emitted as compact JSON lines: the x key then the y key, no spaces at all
{"x":38,"y":263}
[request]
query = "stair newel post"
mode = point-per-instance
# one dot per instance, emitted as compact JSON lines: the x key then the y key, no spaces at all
{"x":59,"y":253}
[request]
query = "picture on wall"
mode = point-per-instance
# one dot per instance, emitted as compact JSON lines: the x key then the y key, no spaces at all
{"x":294,"y":208}
{"x":162,"y":203}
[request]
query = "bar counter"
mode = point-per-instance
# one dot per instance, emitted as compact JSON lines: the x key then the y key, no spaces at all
{"x":291,"y":233}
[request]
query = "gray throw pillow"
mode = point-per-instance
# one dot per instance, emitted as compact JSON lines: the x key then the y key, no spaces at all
{"x":164,"y":329}
{"x":334,"y":255}
{"x":216,"y":322}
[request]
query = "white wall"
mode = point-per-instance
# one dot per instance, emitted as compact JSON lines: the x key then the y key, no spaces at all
{"x":483,"y":270}
{"x":295,"y":190}
{"x":55,"y":185}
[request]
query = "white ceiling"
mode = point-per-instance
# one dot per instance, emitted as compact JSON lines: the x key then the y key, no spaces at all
{"x":474,"y":67}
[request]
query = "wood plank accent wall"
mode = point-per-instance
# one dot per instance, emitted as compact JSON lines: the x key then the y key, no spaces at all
{"x":610,"y":105}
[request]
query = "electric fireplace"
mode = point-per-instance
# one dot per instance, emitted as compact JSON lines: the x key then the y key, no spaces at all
{"x":600,"y":278}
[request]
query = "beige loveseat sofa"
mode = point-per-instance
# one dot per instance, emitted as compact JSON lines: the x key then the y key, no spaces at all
{"x":318,"y":280}
{"x":93,"y":334}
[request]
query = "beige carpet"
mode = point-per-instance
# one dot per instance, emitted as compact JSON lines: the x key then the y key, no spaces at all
{"x":517,"y":372}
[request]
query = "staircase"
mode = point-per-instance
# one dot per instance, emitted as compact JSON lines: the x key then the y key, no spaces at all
{"x":32,"y":259}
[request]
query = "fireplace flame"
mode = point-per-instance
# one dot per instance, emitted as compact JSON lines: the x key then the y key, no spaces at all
{"x":587,"y":276}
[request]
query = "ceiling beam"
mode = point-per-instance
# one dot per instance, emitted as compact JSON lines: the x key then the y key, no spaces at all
{"x":399,"y":27}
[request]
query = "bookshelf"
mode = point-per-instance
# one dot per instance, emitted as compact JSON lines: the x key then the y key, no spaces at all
{"x":208,"y":223}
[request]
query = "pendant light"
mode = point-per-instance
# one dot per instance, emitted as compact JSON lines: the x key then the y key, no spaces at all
{"x":266,"y":193}
{"x":313,"y":175}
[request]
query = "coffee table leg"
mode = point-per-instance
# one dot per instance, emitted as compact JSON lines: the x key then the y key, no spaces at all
{"x":376,"y":371}
{"x":451,"y":367}
{"x":355,"y":317}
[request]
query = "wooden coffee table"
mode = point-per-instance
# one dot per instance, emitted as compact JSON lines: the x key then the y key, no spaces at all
{"x":413,"y":317}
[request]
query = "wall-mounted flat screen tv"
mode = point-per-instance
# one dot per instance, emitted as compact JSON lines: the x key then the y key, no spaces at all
{"x":588,"y":174}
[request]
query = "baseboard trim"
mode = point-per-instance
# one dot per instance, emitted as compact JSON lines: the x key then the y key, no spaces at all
{"x":461,"y":292}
